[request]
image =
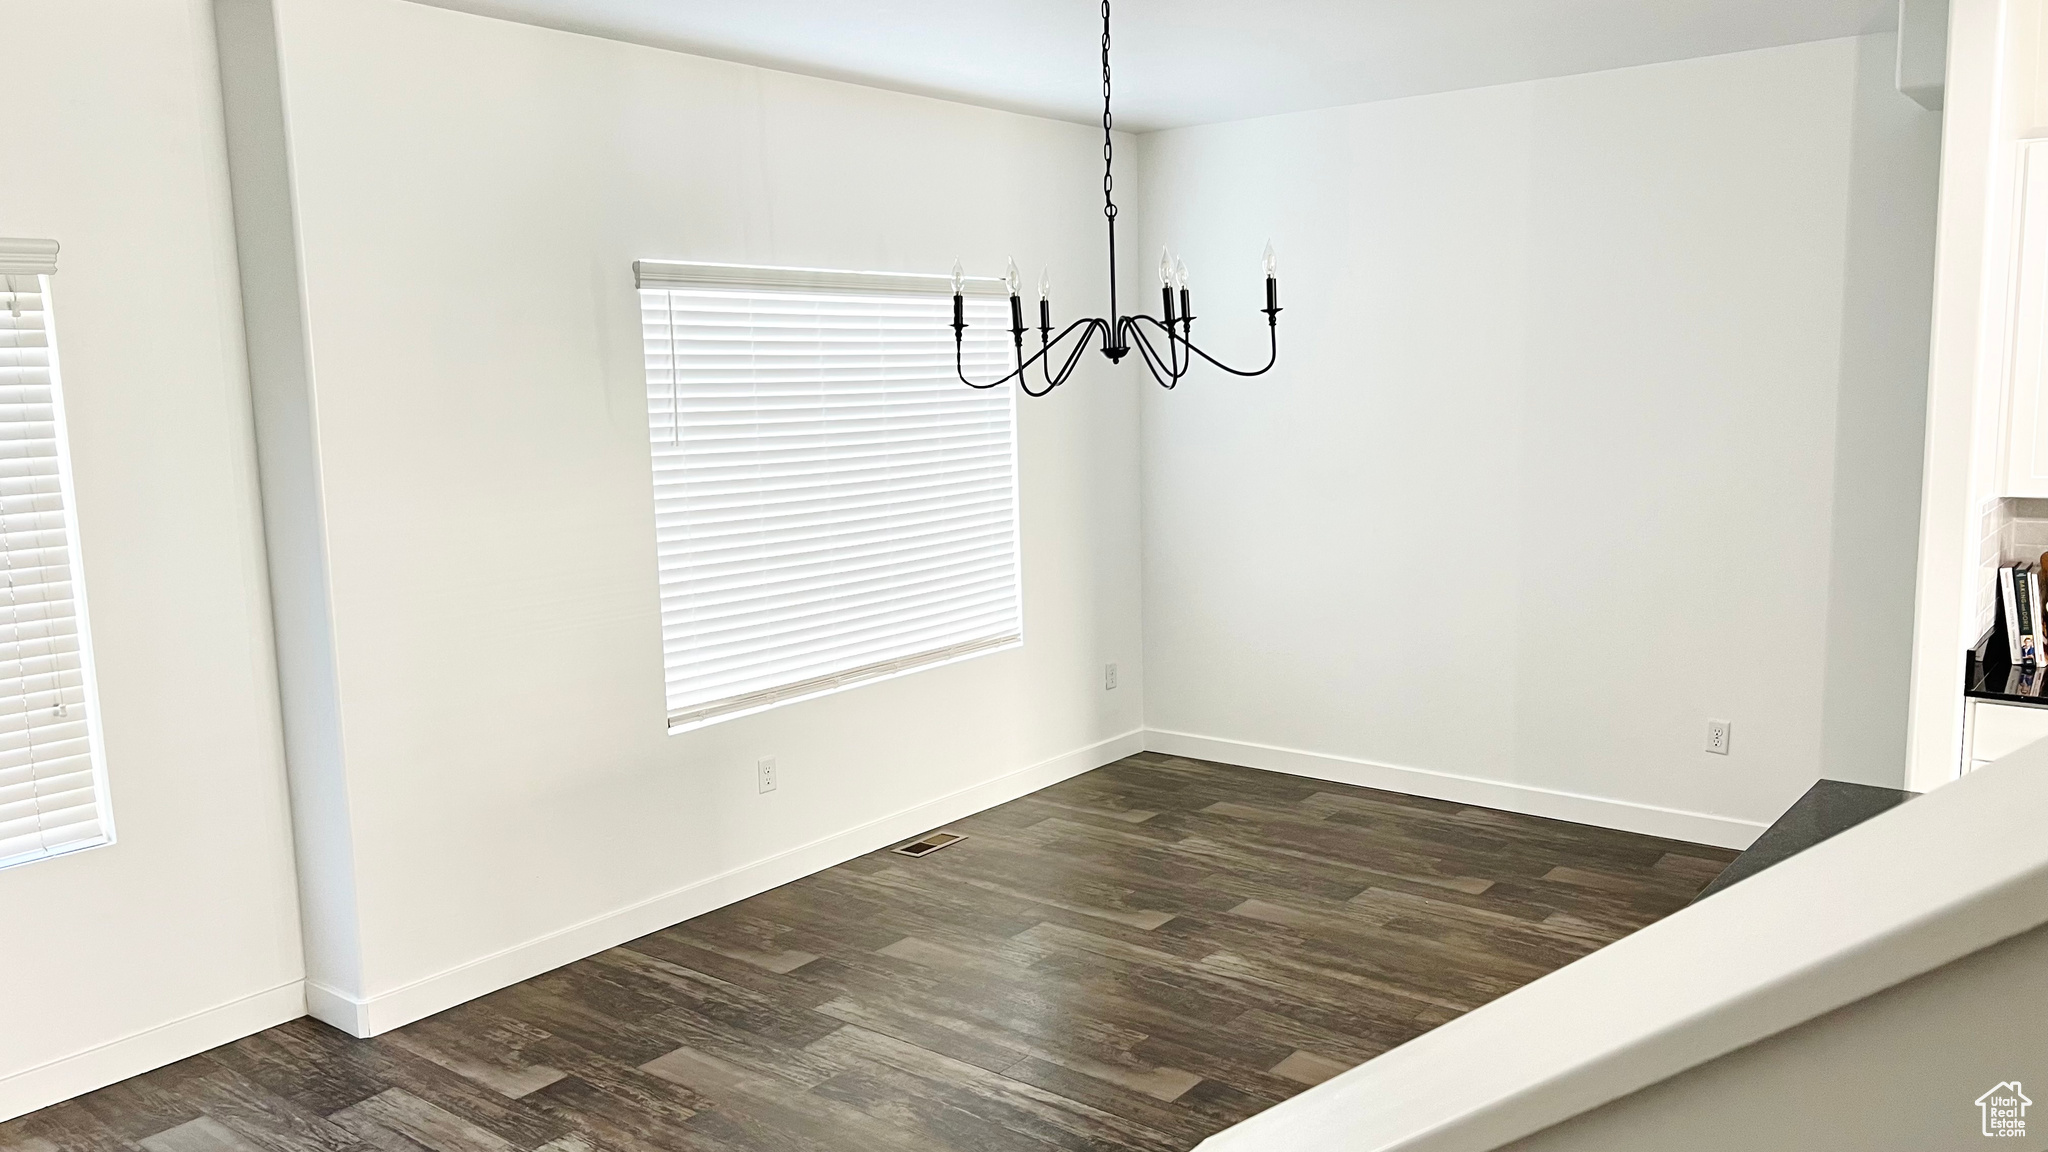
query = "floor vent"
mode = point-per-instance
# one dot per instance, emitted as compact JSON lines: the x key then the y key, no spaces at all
{"x":928,"y":843}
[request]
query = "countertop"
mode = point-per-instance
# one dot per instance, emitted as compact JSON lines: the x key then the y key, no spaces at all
{"x":1990,"y":680}
{"x":1829,"y":808}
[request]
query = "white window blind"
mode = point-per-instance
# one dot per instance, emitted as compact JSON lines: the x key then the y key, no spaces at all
{"x":52,"y":789}
{"x":832,"y":505}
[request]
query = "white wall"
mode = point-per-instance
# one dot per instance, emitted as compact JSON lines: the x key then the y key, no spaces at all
{"x":470,"y":195}
{"x":1598,"y":416}
{"x":184,"y":933}
{"x":1897,"y":1072}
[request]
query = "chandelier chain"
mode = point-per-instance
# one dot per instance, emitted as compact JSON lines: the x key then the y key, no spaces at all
{"x":1108,"y":150}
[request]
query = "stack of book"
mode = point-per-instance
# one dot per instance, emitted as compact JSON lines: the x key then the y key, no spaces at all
{"x":2019,"y":591}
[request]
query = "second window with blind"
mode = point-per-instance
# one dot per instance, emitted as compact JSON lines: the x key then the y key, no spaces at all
{"x":53,"y":789}
{"x":832,"y":505}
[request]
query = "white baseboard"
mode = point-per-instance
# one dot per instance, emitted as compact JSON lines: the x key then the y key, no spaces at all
{"x":338,"y":1008}
{"x":96,"y":1067}
{"x":423,"y":998}
{"x":1628,"y":816}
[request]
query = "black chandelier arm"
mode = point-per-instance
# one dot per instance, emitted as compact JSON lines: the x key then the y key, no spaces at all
{"x":1177,"y":360}
{"x":1161,"y":375}
{"x":1167,"y":372}
{"x":1053,"y":381}
{"x":1272,"y":330}
{"x":1044,"y":357}
{"x":1020,"y":372}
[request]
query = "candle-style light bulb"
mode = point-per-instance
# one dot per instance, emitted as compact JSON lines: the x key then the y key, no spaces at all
{"x":1165,"y":267}
{"x":1272,"y":264}
{"x":1016,"y":305}
{"x":1045,"y":284}
{"x":959,"y":301}
{"x":1180,"y":274}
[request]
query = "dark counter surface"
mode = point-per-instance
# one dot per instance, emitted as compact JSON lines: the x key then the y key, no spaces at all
{"x":1989,"y":673}
{"x":1829,"y":807}
{"x":1989,"y":681}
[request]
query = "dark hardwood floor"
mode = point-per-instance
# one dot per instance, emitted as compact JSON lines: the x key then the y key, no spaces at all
{"x":1132,"y":959}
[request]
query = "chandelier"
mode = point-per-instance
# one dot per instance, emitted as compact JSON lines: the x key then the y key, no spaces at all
{"x":1175,"y":323}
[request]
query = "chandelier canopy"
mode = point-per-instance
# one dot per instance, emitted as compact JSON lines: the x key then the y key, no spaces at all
{"x":1119,"y":334}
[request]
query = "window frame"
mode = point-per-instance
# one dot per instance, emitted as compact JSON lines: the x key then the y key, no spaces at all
{"x":665,"y":276}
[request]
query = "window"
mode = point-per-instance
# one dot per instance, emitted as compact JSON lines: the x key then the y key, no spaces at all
{"x":832,"y":506}
{"x":52,"y":786}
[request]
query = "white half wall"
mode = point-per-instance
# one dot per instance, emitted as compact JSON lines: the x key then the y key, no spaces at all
{"x":1598,"y":416}
{"x":184,"y":933}
{"x":1859,"y":1077}
{"x":469,"y":196}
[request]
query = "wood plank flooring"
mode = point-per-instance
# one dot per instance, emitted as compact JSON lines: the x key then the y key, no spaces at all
{"x":1132,"y":959}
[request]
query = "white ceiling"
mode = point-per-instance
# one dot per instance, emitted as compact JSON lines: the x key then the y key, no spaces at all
{"x":1181,"y":62}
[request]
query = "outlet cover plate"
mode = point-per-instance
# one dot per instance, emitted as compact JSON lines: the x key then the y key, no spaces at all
{"x":1719,"y":732}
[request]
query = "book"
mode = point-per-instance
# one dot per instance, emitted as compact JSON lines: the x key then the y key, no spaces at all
{"x":2025,"y":612}
{"x":2006,"y":612}
{"x":2034,"y":597}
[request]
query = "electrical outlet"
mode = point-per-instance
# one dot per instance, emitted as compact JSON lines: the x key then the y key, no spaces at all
{"x":765,"y":767}
{"x":1108,"y":677}
{"x":1718,"y":732}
